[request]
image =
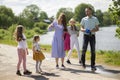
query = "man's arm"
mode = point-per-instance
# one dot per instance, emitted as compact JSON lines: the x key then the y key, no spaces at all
{"x":95,"y":29}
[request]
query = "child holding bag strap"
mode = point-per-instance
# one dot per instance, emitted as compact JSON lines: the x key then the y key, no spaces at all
{"x":38,"y":56}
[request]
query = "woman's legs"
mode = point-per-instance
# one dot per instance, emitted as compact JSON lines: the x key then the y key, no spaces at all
{"x":56,"y":59}
{"x":62,"y":60}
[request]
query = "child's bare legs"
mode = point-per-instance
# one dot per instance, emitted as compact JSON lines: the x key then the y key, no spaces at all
{"x":24,"y":60}
{"x":19,"y":59}
{"x":21,"y":56}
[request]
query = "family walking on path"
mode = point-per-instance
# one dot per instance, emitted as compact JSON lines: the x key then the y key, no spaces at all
{"x":64,"y":40}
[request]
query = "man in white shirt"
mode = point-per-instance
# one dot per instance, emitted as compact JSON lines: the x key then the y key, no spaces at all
{"x":89,"y":25}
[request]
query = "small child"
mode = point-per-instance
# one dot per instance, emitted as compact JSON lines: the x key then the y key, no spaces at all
{"x":38,"y":56}
{"x":22,"y":49}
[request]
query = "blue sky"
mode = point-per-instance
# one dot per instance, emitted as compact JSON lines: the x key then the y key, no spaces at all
{"x":52,"y":6}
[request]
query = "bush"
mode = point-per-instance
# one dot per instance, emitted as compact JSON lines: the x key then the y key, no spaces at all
{"x":29,"y":34}
{"x":12,"y":28}
{"x":37,"y":30}
{"x":4,"y":34}
{"x":118,"y":32}
{"x":41,"y":25}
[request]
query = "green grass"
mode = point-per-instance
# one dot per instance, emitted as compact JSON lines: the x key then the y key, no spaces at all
{"x":8,"y":42}
{"x":109,"y":57}
{"x":106,"y":57}
{"x":103,"y":57}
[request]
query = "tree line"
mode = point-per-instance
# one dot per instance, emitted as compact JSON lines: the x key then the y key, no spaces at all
{"x":32,"y":15}
{"x":114,"y":10}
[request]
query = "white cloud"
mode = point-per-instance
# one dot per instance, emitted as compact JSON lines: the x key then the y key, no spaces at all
{"x":52,"y":6}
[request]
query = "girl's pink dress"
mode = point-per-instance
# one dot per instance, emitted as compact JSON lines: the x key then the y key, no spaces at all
{"x":66,"y":41}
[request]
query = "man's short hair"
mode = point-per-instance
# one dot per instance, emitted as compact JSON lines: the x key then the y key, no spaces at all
{"x":89,"y":8}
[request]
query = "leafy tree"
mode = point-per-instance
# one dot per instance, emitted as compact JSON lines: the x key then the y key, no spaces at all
{"x":31,"y":11}
{"x":114,"y":9}
{"x":6,"y":17}
{"x":99,"y":15}
{"x":43,"y":15}
{"x":51,"y":18}
{"x":29,"y":15}
{"x":67,"y":11}
{"x":80,"y":11}
{"x":107,"y":20}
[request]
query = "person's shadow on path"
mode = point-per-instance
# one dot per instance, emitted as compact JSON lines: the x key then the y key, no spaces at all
{"x":100,"y":71}
{"x":42,"y":77}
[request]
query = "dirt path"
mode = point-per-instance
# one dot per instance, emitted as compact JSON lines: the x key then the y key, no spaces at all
{"x":8,"y":61}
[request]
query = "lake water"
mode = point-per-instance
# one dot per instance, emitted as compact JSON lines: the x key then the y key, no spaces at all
{"x":105,"y":39}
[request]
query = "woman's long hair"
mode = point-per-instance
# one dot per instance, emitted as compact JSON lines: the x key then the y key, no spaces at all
{"x":18,"y":33}
{"x":63,"y":17}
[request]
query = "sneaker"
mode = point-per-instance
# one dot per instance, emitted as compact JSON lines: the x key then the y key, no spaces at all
{"x":57,"y":66}
{"x":18,"y":73}
{"x":68,"y":61}
{"x":93,"y":69}
{"x":63,"y":66}
{"x":27,"y":72}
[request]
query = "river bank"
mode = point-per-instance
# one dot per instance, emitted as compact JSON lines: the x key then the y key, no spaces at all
{"x":105,"y":39}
